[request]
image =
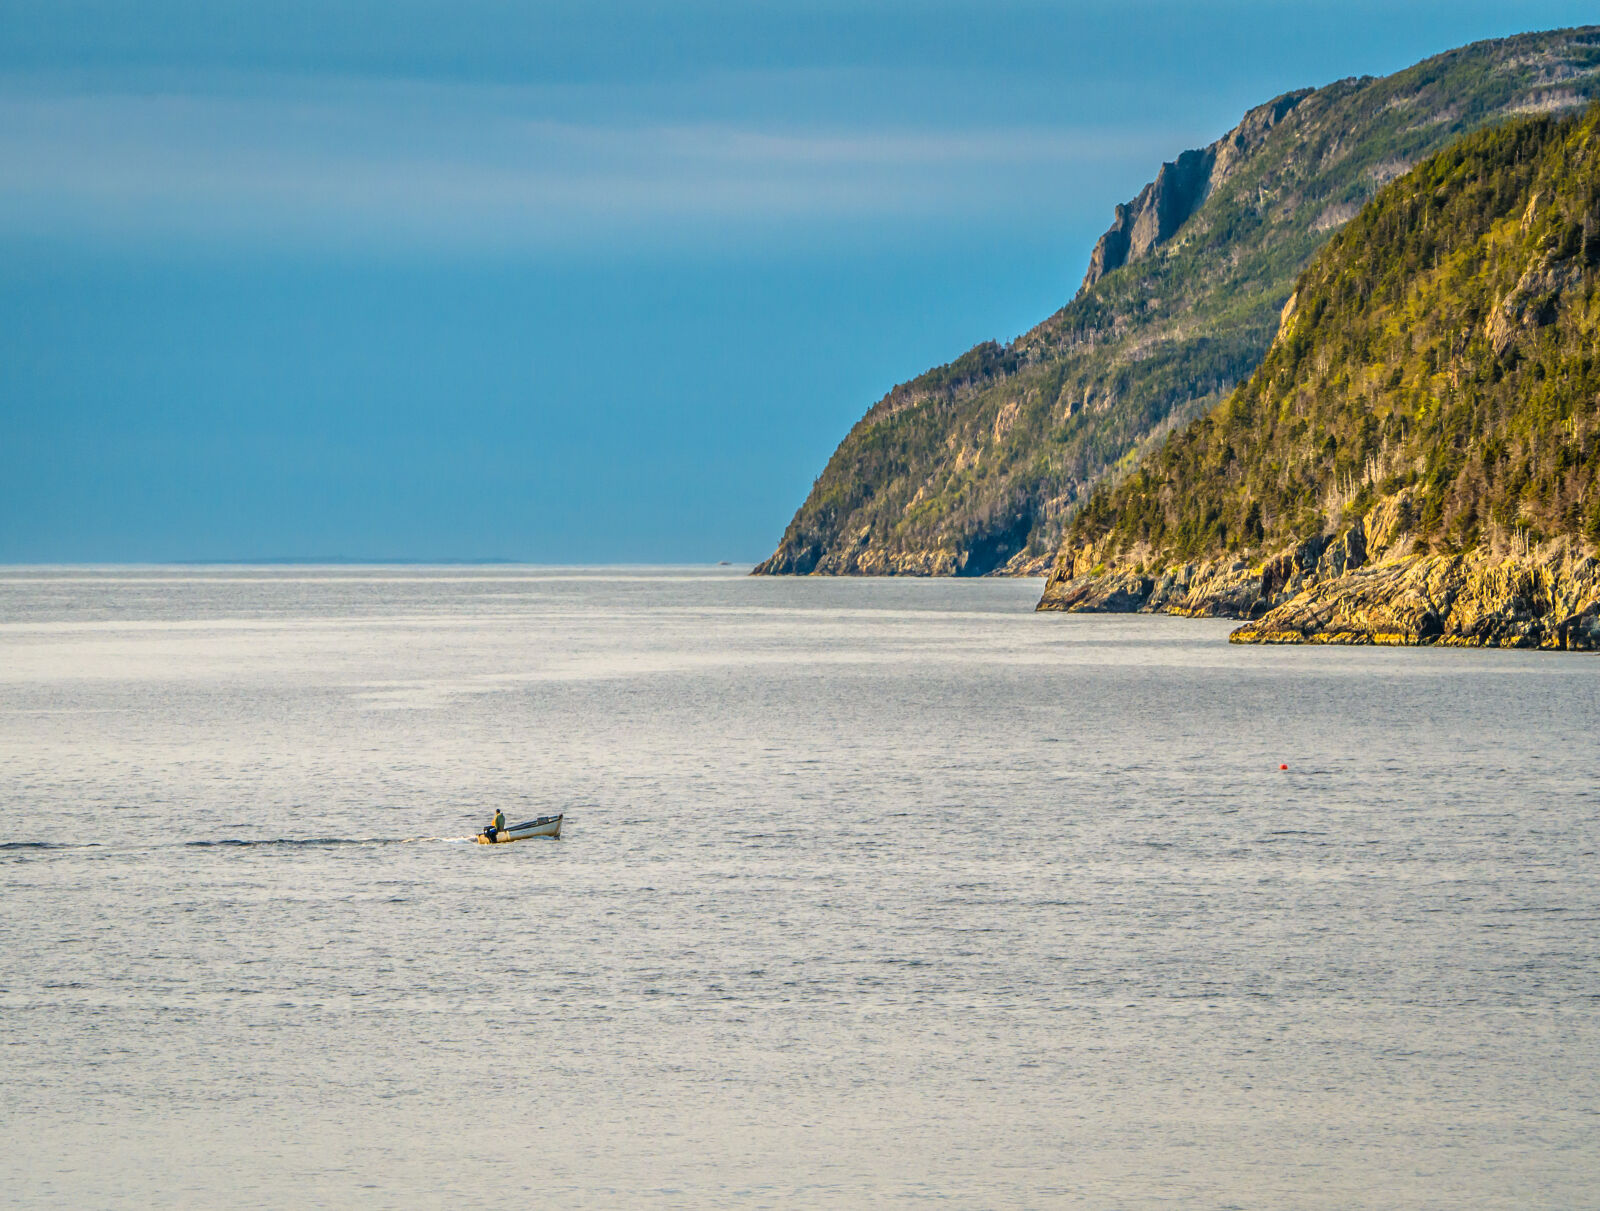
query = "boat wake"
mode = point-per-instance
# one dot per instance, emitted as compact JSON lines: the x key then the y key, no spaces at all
{"x":22,"y":848}
{"x":324,"y":842}
{"x":26,"y":845}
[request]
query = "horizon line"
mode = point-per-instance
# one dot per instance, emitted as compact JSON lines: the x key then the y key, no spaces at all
{"x":359,"y":561}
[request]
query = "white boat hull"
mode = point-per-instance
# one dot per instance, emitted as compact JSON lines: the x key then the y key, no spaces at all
{"x":544,"y":826}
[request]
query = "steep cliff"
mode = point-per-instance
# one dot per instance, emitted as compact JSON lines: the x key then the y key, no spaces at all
{"x":1180,"y":188}
{"x":1417,"y":459}
{"x":975,"y":467}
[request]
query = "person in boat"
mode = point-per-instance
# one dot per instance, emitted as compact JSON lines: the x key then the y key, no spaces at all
{"x":497,"y":827}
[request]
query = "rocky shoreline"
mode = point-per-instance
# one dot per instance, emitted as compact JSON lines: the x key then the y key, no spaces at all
{"x":1364,"y":586}
{"x":865,"y":560}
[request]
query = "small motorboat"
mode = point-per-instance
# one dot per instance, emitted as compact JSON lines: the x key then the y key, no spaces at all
{"x":544,"y":826}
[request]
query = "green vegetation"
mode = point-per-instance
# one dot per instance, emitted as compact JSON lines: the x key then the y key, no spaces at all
{"x":980,"y":465}
{"x":1444,"y":350}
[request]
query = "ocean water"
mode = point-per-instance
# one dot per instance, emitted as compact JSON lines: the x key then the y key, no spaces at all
{"x":871,"y":893}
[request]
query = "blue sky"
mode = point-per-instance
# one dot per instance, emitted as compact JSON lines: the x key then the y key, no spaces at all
{"x":563,"y":282}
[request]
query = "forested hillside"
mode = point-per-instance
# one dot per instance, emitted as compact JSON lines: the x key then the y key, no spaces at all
{"x":1431,"y":402}
{"x":977,"y":466}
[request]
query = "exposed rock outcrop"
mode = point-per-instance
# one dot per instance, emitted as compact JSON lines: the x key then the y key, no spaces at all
{"x":1532,"y":304}
{"x":1327,"y":590}
{"x":1180,"y":188}
{"x":1547,"y":599}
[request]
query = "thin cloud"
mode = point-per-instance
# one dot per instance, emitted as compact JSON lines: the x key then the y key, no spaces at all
{"x":445,"y":165}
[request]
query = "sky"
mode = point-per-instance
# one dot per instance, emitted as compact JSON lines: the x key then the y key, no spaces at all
{"x":569,"y":282}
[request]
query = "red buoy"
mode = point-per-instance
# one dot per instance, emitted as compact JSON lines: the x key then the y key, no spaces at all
{"x":1283,"y":767}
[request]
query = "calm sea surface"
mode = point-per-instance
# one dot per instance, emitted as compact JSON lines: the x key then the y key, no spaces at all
{"x":870,"y":892}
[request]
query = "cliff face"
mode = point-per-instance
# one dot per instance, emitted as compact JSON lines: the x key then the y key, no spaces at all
{"x":976,"y":467}
{"x":1154,"y":216}
{"x":1180,"y":188}
{"x":1417,"y":460}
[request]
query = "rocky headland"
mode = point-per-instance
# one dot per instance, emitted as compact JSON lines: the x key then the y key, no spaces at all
{"x":1417,"y":460}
